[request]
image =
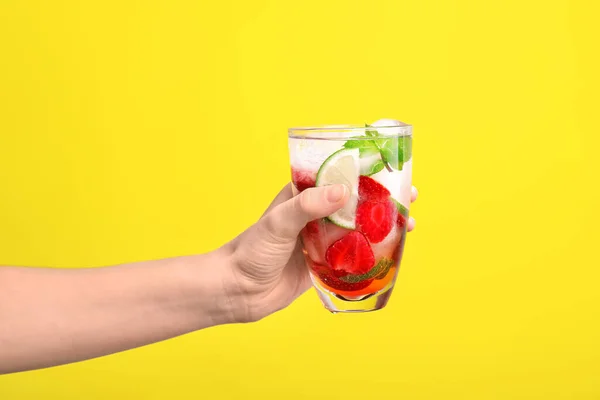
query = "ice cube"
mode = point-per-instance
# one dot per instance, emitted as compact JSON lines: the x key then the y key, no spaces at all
{"x":309,"y":154}
{"x":386,"y":248}
{"x":390,"y":126}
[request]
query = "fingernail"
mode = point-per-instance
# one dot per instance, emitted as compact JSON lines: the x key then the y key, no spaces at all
{"x":336,"y":193}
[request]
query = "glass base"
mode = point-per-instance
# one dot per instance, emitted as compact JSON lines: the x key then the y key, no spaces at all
{"x":364,"y":303}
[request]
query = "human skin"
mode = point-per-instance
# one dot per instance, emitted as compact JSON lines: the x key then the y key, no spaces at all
{"x":52,"y":316}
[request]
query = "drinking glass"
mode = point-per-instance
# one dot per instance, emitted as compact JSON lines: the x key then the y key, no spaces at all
{"x":354,"y":254}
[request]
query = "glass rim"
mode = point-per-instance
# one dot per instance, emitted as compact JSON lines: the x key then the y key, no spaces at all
{"x":320,"y":131}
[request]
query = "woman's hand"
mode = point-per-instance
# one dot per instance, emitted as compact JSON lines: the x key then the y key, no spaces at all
{"x":267,"y":263}
{"x":53,"y":316}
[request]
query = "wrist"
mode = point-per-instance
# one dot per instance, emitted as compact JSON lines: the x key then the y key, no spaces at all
{"x":222,"y":299}
{"x":201,"y":289}
{"x":234,"y":295}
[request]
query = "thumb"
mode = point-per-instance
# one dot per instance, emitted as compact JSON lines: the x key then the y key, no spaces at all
{"x":287,"y":219}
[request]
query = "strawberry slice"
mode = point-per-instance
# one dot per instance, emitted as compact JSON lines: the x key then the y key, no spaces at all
{"x":318,"y":235}
{"x":327,"y":276}
{"x":303,"y":179}
{"x":350,"y":255}
{"x":375,"y":219}
{"x":312,"y":229}
{"x":370,"y":189}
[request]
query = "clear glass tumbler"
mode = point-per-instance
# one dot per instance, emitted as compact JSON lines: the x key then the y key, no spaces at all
{"x":354,"y":254}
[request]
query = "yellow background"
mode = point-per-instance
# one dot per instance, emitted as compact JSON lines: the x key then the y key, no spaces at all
{"x":143,"y":129}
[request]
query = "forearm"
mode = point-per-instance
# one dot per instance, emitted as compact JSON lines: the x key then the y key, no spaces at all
{"x":56,"y":316}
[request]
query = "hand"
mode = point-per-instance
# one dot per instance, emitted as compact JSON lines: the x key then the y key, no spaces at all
{"x":53,"y":316}
{"x":268,"y":265}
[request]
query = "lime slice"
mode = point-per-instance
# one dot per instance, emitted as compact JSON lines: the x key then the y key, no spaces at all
{"x":343,"y":167}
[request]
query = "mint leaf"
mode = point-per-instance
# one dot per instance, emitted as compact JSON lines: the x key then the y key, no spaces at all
{"x":404,"y":149}
{"x":401,"y":209}
{"x":371,"y":132}
{"x":365,"y":147}
{"x":380,"y":269}
{"x":375,"y":168}
{"x":394,"y":151}
{"x":385,"y":269}
{"x":374,"y":134}
{"x":389,"y":152}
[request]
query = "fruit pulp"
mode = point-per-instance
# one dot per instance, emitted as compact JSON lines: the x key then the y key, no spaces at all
{"x":355,"y":254}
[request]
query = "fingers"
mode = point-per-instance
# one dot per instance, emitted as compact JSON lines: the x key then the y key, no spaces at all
{"x":283,"y":195}
{"x":414,"y":193}
{"x":286,"y":220}
{"x":314,"y":203}
{"x":411,"y":224}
